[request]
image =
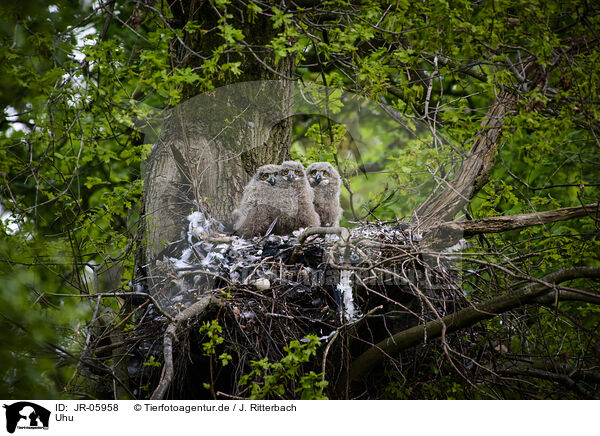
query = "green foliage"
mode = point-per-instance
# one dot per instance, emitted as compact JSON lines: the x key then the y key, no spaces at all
{"x":285,"y":379}
{"x":212,"y":339}
{"x":77,"y":84}
{"x":35,"y":325}
{"x":152,"y":362}
{"x":213,"y":332}
{"x":70,"y":174}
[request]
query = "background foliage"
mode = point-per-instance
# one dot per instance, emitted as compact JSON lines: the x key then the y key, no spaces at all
{"x":76,"y":76}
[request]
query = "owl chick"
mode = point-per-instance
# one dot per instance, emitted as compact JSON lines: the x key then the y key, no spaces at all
{"x":325,"y":182}
{"x":258,"y":207}
{"x":295,"y":199}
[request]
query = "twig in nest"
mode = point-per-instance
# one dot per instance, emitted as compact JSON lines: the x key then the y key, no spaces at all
{"x":342,"y":232}
{"x":157,"y":306}
{"x":337,"y":333}
{"x":197,"y":308}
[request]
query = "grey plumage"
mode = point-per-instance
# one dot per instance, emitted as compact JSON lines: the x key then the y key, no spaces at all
{"x":258,"y":207}
{"x":295,"y":199}
{"x":279,"y":192}
{"x":325,"y":182}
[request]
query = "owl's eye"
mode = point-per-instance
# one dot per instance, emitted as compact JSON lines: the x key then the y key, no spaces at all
{"x":285,"y":172}
{"x":313,"y":172}
{"x":264,"y":176}
{"x":298,"y":172}
{"x":326,"y":173}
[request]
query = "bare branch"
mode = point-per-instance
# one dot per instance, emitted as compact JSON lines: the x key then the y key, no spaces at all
{"x":511,"y":222}
{"x":463,"y":318}
{"x":450,"y":232}
{"x":195,"y":309}
{"x":563,"y":379}
{"x":341,"y":231}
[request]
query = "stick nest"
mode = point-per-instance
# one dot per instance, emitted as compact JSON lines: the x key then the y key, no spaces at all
{"x":276,"y":289}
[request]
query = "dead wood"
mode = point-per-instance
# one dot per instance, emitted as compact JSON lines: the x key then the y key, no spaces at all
{"x":473,"y":172}
{"x":449,"y":233}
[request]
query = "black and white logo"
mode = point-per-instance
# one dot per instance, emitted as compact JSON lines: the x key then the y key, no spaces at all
{"x":26,"y":415}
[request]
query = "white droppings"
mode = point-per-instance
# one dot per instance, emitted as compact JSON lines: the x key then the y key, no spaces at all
{"x":345,"y":288}
{"x":298,"y":232}
{"x":178,"y":263}
{"x":197,"y":225}
{"x":248,"y":314}
{"x":460,"y":245}
{"x":213,"y":255}
{"x":201,"y":224}
{"x":332,"y":237}
{"x":185,"y":256}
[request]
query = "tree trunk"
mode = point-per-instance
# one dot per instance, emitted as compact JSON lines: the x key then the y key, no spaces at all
{"x":474,"y":171}
{"x":211,"y":145}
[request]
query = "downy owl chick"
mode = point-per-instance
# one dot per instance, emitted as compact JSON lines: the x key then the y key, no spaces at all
{"x":325,"y":182}
{"x":259,"y":206}
{"x":296,"y":199}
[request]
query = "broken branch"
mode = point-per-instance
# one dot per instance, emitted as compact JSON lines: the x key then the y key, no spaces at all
{"x":449,"y":233}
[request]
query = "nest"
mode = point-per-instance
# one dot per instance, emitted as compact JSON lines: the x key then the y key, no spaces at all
{"x":269,"y":291}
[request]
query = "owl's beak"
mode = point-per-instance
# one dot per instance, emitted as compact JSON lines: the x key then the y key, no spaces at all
{"x":271,"y":180}
{"x":290,"y":177}
{"x":317,"y":177}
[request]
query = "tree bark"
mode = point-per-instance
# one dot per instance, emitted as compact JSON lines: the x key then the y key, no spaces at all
{"x":211,"y":145}
{"x":447,"y":234}
{"x":499,"y":224}
{"x":474,"y":171}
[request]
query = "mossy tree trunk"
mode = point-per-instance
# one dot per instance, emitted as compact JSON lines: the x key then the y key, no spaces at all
{"x":211,"y":145}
